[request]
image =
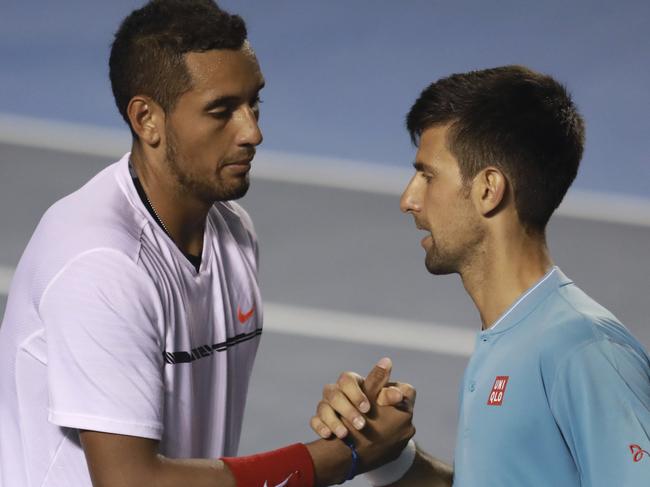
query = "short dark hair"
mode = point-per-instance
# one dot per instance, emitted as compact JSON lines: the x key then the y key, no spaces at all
{"x":514,"y":118}
{"x":147,"y":53}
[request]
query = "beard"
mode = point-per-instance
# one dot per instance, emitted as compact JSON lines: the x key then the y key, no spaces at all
{"x":207,"y":189}
{"x":456,"y":248}
{"x":440,"y":262}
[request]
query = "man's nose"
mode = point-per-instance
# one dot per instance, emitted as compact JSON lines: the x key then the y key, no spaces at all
{"x":249,"y":132}
{"x":408,"y":202}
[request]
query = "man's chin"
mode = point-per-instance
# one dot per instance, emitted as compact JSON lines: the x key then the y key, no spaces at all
{"x":234,"y":191}
{"x":438,"y":268}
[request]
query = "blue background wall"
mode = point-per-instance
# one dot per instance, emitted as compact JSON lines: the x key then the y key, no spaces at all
{"x":342,"y":74}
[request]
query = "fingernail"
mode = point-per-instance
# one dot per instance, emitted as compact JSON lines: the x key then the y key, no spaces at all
{"x":384,"y":363}
{"x":358,"y":423}
{"x":341,"y":432}
{"x":364,"y":407}
{"x":325,"y":432}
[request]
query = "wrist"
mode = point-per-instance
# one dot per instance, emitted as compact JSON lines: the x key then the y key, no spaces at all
{"x":332,"y":461}
{"x":355,"y":459}
{"x":289,"y":466}
{"x":391,"y":472}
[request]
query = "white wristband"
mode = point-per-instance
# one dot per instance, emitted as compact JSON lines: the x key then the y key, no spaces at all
{"x":395,"y":470}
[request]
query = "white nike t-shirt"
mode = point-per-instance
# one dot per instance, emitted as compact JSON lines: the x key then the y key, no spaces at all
{"x":109,"y":327}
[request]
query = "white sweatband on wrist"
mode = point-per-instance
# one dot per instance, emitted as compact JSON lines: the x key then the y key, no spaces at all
{"x":395,"y":470}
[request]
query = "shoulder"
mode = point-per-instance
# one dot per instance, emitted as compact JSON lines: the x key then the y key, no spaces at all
{"x":100,"y":277}
{"x":98,"y":215}
{"x":572,"y":319}
{"x":580,"y":332}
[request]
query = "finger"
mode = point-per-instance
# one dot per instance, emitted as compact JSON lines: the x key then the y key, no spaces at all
{"x":377,"y":378}
{"x":350,"y":385}
{"x":319,"y":427}
{"x":389,"y":396}
{"x":327,"y":415}
{"x":408,"y":391}
{"x":342,"y":406}
{"x":398,"y":394}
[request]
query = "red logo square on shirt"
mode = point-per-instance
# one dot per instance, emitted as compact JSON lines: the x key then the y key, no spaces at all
{"x":498,"y":390}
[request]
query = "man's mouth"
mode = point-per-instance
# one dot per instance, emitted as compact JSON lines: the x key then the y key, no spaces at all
{"x":239,"y":165}
{"x":241,"y":162}
{"x":427,"y":239}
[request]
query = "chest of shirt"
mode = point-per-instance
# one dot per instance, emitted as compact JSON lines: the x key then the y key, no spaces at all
{"x":209,"y":311}
{"x":507,"y":434}
{"x":503,"y":401}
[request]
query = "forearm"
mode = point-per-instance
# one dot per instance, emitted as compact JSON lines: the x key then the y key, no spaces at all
{"x":426,"y":472}
{"x":132,"y":462}
{"x":172,"y":472}
{"x":129,"y":461}
{"x":331,"y":459}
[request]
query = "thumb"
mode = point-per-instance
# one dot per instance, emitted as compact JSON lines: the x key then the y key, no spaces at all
{"x":377,"y":378}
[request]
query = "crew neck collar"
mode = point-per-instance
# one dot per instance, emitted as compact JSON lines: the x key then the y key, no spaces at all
{"x":528,"y":301}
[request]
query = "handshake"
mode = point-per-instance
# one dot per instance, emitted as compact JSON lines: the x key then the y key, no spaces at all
{"x":373,"y":414}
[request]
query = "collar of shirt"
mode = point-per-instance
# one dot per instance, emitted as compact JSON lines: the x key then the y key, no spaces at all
{"x":528,"y":301}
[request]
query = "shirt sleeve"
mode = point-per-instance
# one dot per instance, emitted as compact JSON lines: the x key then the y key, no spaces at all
{"x":104,"y":337}
{"x":601,"y":402}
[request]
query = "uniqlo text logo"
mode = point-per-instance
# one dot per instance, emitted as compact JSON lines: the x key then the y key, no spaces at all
{"x":498,"y":391}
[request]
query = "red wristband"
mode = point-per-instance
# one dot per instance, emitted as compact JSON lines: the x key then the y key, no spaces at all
{"x":290,"y":466}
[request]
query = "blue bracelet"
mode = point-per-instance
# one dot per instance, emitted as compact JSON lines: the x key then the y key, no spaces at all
{"x":355,"y":458}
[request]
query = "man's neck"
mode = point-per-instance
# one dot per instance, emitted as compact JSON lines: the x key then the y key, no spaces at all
{"x":505,"y":271}
{"x":182,"y":215}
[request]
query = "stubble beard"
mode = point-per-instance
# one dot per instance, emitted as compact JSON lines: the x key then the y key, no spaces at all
{"x":207,"y":190}
{"x":459,"y":250}
{"x":438,"y":262}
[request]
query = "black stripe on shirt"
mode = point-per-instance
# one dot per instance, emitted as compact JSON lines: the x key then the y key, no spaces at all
{"x":207,"y":350}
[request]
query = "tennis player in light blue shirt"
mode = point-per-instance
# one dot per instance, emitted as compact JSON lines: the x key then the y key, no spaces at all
{"x":557,"y":391}
{"x":555,"y":394}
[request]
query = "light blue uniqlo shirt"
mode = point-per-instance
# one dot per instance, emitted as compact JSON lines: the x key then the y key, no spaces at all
{"x":557,"y":393}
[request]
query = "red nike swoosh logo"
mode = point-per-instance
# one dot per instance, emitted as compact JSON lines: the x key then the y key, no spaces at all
{"x":243,"y":317}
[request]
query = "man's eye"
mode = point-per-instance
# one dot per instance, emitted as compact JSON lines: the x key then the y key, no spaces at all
{"x":427,"y":177}
{"x":256,"y":102}
{"x":221,"y":114}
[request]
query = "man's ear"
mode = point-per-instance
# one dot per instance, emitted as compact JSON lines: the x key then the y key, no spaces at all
{"x":489,"y":190}
{"x":147,"y":119}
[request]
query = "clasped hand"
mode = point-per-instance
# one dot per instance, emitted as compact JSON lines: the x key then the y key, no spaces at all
{"x":376,"y":413}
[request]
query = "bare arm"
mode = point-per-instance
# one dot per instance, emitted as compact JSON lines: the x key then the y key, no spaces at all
{"x":132,"y":461}
{"x":125,"y":461}
{"x":128,"y":461}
